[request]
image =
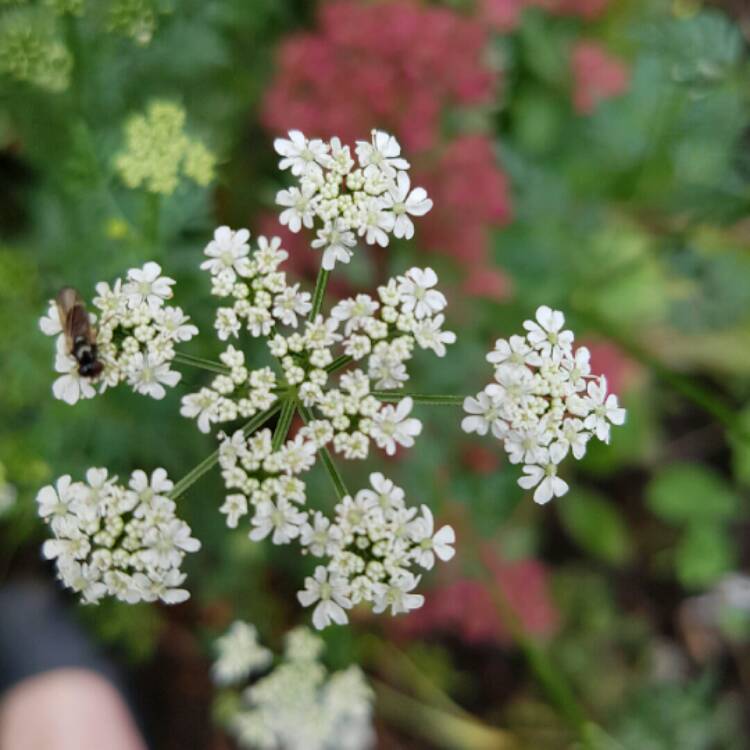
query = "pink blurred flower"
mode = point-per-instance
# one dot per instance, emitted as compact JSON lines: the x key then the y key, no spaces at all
{"x":465,"y":607}
{"x":471,"y":194}
{"x":620,"y":370}
{"x":501,"y":15}
{"x":597,"y":75}
{"x":480,"y":460}
{"x":490,"y":283}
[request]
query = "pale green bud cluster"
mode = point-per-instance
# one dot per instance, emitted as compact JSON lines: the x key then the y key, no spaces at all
{"x":132,"y":18}
{"x":31,"y":51}
{"x":158,"y":152}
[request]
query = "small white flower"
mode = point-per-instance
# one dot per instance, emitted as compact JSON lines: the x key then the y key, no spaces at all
{"x":50,"y":324}
{"x":604,"y":410}
{"x":354,"y":312}
{"x":298,"y":211}
{"x":282,"y":518}
{"x":429,"y":543}
{"x":429,"y":334}
{"x":331,"y":593}
{"x":392,"y":425}
{"x":485,"y":413}
{"x":146,"y":374}
{"x":228,"y":253}
{"x":403,"y":203}
{"x":545,"y":479}
{"x":383,"y":151}
{"x":174,"y":324}
{"x":147,"y":285}
{"x":417,"y":293}
{"x":375,"y":222}
{"x":336,"y":241}
{"x":397,"y":596}
{"x":234,"y":507}
{"x":200,"y":406}
{"x":321,"y":538}
{"x":546,"y":334}
{"x":290,"y":304}
{"x":302,"y":156}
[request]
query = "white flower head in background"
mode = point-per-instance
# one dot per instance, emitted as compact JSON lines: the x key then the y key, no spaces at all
{"x":239,"y":654}
{"x":342,"y":199}
{"x":298,"y":704}
{"x":544,"y":402}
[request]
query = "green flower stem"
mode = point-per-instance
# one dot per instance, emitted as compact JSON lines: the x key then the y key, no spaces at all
{"x":338,"y":363}
{"x":327,"y":458}
{"x":445,"y":730}
{"x":202,"y":364}
{"x":397,"y":666}
{"x":152,"y":216}
{"x":550,"y":679}
{"x":319,"y":293}
{"x":210,"y":461}
{"x":420,"y":398}
{"x":285,"y":422}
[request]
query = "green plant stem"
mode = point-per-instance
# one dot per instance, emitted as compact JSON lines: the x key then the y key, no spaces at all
{"x":285,"y":422}
{"x":682,"y":384}
{"x":210,"y":461}
{"x":336,"y":479}
{"x":549,"y":678}
{"x":202,"y":364}
{"x":338,"y":363}
{"x":152,"y":216}
{"x":443,"y":729}
{"x":420,"y":398}
{"x":319,"y":293}
{"x":399,"y":668}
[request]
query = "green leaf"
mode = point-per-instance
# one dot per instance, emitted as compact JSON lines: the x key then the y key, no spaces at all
{"x":704,"y":554}
{"x":690,"y":493}
{"x":596,"y":526}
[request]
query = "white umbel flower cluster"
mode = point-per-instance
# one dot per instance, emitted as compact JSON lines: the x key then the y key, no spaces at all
{"x":110,"y":540}
{"x":299,"y":704}
{"x":544,"y":402}
{"x":371,"y":546}
{"x":342,"y":198}
{"x":136,"y":333}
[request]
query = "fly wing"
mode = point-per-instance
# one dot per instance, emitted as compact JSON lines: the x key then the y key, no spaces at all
{"x":73,"y":316}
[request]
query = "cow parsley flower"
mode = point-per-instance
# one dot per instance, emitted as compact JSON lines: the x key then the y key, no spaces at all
{"x":135,"y":331}
{"x":544,"y":402}
{"x":370,"y":198}
{"x":111,"y":540}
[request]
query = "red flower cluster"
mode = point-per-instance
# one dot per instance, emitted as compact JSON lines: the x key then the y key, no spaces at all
{"x":400,"y":66}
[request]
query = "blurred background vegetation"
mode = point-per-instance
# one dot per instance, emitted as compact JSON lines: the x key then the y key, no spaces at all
{"x":586,"y":154}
